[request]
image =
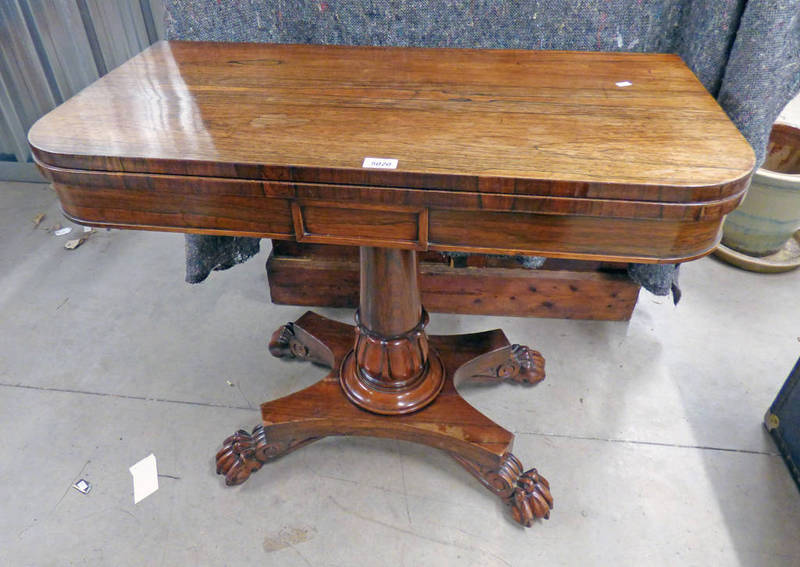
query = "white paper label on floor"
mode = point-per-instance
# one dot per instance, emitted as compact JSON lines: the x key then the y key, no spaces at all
{"x":63,"y":231}
{"x":145,"y":478}
{"x":379,"y":163}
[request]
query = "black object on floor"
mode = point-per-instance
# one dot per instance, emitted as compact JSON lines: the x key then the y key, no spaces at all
{"x":783,"y":422}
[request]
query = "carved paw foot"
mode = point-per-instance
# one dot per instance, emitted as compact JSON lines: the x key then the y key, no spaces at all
{"x":244,"y":453}
{"x":524,"y":365}
{"x":284,"y":344}
{"x":293,"y":342}
{"x":241,"y":455}
{"x":528,"y":492}
{"x":514,"y":363}
{"x":531,"y":498}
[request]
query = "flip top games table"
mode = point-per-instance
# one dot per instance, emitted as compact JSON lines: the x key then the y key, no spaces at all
{"x":604,"y":156}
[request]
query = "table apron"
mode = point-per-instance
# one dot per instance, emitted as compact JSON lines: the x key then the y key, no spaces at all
{"x":417,"y":219}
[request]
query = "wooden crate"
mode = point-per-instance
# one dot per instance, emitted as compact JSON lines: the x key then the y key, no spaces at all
{"x":325,"y":275}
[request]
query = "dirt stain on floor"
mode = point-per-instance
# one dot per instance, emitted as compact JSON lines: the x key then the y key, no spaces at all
{"x":288,"y":536}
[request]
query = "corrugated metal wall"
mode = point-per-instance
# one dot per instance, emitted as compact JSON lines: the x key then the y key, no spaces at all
{"x":51,"y":49}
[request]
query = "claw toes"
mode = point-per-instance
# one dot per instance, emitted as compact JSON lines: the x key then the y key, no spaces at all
{"x":237,"y":458}
{"x":225,"y":459}
{"x":532,"y":498}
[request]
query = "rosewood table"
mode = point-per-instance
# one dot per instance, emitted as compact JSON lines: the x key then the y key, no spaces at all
{"x":600,"y":156}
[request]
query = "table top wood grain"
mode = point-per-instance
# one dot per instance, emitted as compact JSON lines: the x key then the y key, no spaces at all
{"x":582,"y":135}
{"x":480,"y":116}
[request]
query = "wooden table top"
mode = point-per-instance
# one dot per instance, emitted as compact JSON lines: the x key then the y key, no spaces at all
{"x":592,"y":135}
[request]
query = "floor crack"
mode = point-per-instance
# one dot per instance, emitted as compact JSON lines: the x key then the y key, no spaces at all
{"x":123,"y":396}
{"x":650,"y":443}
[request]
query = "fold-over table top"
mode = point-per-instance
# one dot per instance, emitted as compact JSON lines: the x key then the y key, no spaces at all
{"x":586,"y":127}
{"x":456,"y":119}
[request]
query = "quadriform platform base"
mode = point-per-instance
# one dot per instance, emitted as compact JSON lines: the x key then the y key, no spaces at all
{"x":400,"y":385}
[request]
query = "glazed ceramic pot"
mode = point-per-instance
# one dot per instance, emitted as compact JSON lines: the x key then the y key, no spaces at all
{"x":770,"y":213}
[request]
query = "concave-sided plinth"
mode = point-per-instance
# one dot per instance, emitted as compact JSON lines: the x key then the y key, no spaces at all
{"x":388,"y":365}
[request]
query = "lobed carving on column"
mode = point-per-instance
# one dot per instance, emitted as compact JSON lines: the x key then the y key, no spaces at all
{"x":392,"y":375}
{"x":395,"y":362}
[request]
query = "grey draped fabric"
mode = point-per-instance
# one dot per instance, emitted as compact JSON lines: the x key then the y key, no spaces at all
{"x":207,"y":253}
{"x":746,"y":53}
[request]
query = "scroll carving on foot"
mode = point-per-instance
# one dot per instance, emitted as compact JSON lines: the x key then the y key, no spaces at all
{"x":528,"y":492}
{"x":284,"y":344}
{"x":244,"y":453}
{"x":514,"y":363}
{"x":291,"y":341}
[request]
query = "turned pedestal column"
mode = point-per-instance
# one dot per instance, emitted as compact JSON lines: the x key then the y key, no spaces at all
{"x":392,"y":368}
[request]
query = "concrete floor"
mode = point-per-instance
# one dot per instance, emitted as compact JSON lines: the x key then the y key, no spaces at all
{"x":649,"y":431}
